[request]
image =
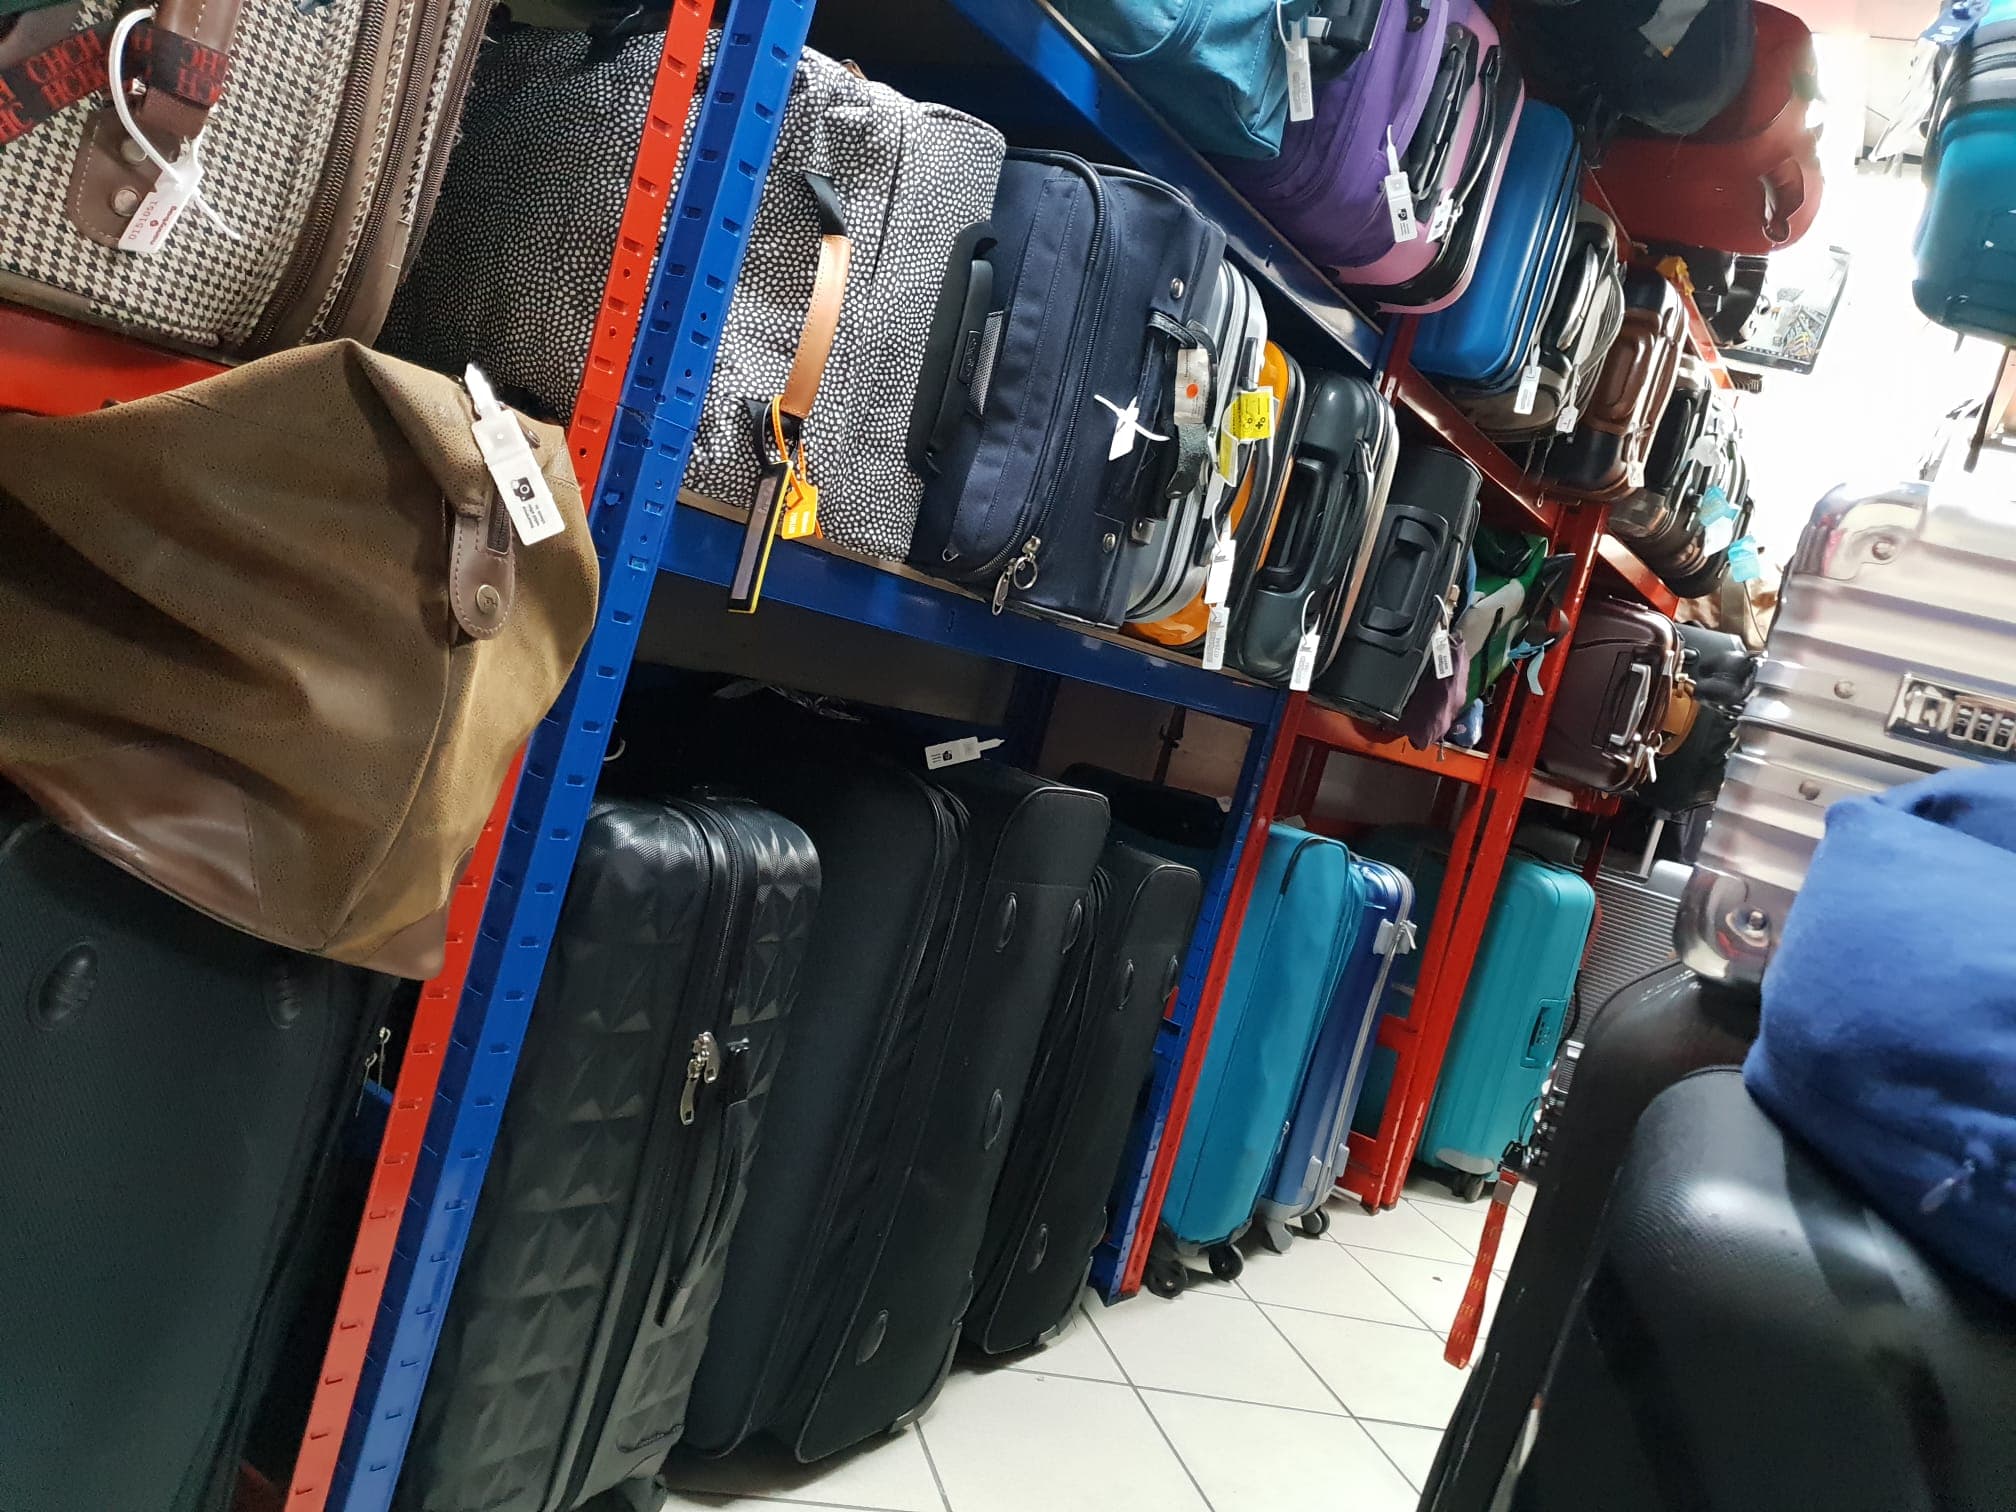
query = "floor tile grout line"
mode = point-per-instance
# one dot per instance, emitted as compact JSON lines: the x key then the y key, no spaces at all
{"x":1205,"y":1396}
{"x":931,"y":1464}
{"x":723,"y":1498}
{"x":1323,"y":1312}
{"x":1397,"y":1470}
{"x":1412,"y":1311}
{"x":1120,"y":1365}
{"x":1320,"y":1377}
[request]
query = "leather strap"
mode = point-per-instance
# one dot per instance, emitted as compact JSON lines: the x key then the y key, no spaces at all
{"x":829,"y":291}
{"x":73,"y":69}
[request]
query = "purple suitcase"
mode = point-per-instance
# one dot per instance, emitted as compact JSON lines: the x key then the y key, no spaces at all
{"x":1464,"y":155}
{"x":1325,"y":191}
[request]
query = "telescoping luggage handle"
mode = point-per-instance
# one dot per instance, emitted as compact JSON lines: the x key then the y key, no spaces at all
{"x":786,"y":501}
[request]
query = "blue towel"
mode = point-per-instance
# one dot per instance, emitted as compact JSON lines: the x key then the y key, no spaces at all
{"x":1889,"y":1030}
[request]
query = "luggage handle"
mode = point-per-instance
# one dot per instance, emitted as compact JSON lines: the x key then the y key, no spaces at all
{"x":1641,"y":699}
{"x":1784,"y":197}
{"x":1292,"y":552}
{"x":1540,"y":1044}
{"x":1418,"y":540}
{"x":958,"y":354}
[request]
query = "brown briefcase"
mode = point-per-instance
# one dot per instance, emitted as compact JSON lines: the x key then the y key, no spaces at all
{"x":272,"y":641}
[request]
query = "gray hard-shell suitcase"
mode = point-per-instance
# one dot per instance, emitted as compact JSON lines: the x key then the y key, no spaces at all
{"x":1893,"y":655}
{"x":597,"y":1251}
{"x":1634,"y":930}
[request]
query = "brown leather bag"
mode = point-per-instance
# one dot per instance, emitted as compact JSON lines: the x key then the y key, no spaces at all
{"x":271,"y":641}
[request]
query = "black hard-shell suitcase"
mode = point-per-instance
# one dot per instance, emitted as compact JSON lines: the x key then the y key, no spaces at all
{"x":1316,"y":560}
{"x":171,"y":1096}
{"x":1049,"y":1211}
{"x":597,"y":1251}
{"x":934,"y":959}
{"x":1416,"y":562}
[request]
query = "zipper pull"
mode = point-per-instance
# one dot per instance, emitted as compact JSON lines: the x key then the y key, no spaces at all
{"x":372,"y":1062}
{"x":704,"y":1065}
{"x":1012,"y":576}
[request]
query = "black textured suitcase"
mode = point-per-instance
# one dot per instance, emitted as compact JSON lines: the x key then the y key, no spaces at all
{"x":171,"y":1096}
{"x":934,"y":958}
{"x":1049,"y":1211}
{"x":1330,"y":510}
{"x":597,"y":1251}
{"x":1415,"y":562}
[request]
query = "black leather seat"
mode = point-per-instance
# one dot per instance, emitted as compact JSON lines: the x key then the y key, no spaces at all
{"x":1751,"y":1337}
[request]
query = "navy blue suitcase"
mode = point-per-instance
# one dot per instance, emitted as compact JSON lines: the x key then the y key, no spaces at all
{"x":1052,"y":362}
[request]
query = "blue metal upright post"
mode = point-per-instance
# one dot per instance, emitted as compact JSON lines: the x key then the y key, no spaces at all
{"x":707,"y":235}
{"x":1130,"y":1189}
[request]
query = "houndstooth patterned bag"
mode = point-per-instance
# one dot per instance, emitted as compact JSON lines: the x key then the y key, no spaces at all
{"x":322,"y":226}
{"x":528,"y":219}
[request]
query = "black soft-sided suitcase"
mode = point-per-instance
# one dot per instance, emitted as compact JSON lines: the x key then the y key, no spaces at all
{"x":171,"y":1092}
{"x":596,"y":1256}
{"x":1431,"y":515}
{"x":1049,"y":1211}
{"x":1316,"y":559}
{"x":932,"y":964}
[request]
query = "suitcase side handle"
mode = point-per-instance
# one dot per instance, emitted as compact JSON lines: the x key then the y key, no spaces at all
{"x":1540,"y":1044}
{"x":1624,"y":732}
{"x":958,"y":354}
{"x":1404,"y":593}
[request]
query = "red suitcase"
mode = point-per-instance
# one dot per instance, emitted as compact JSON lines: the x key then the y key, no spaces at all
{"x":1748,"y":181}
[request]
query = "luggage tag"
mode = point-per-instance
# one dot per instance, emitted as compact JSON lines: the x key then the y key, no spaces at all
{"x":1445,"y":212}
{"x":1744,"y":565}
{"x":1567,"y":420}
{"x":783,"y":493}
{"x":1193,"y":387}
{"x":1218,"y":578}
{"x":1127,"y":427}
{"x":513,"y":467}
{"x":956,"y":752}
{"x":1304,"y":671}
{"x":1215,"y":630}
{"x":1440,"y":646}
{"x":1529,"y":390}
{"x":1399,"y":195}
{"x":1301,"y":76}
{"x":179,"y":184}
{"x":1956,"y":23}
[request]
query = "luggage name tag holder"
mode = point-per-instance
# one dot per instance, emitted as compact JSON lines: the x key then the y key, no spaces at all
{"x":1301,"y":74}
{"x":514,"y":469}
{"x":1529,"y":389}
{"x":786,"y":503}
{"x":1399,"y":191}
{"x":1216,"y":628}
{"x":1567,"y":420}
{"x":180,"y":182}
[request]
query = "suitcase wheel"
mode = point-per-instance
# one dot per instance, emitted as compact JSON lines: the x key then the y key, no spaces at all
{"x":1469,"y":1187}
{"x":1166,"y":1276}
{"x":1317,"y":1223}
{"x":1226,"y":1262}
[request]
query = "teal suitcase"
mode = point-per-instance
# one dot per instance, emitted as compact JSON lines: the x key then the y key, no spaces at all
{"x":1509,"y":1027}
{"x":1967,"y":240}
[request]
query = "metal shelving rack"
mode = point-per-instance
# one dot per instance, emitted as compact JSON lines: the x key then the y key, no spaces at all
{"x":647,"y":373}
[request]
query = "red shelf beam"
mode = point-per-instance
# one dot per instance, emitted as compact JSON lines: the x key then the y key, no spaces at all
{"x":1623,"y":569}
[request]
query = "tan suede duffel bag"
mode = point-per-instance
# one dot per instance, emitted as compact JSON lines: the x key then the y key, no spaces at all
{"x":270,"y":641}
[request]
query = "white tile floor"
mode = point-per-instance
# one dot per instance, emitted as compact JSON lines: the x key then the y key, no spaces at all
{"x":1319,"y":1369}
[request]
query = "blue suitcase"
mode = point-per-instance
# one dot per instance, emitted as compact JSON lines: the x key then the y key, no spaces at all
{"x":1967,"y":240}
{"x":1490,"y":338}
{"x":1313,"y":1152}
{"x":1509,"y":1026}
{"x":1284,"y":978}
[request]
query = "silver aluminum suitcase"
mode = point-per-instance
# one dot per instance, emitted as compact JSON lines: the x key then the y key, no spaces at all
{"x":1893,"y":656}
{"x":1634,"y":930}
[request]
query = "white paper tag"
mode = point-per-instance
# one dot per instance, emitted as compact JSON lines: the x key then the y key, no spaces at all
{"x":1304,"y":670}
{"x":1218,"y":582}
{"x":1706,"y":452}
{"x":173,"y":192}
{"x":1301,"y":82}
{"x":1567,"y":420}
{"x":1440,"y":648}
{"x":1400,"y":207}
{"x":513,"y":467}
{"x":1529,"y":391}
{"x":1719,"y":534}
{"x":1214,"y":638}
{"x":956,"y":752}
{"x":1193,"y":386}
{"x":1445,"y":212}
{"x":1634,"y":474}
{"x":1126,"y":427}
